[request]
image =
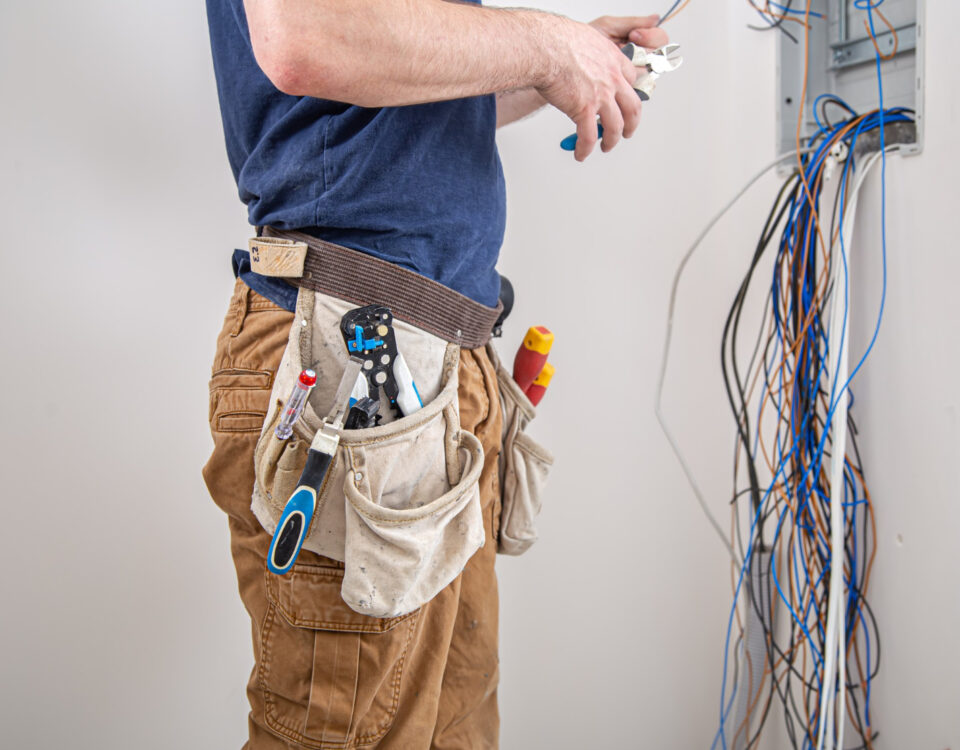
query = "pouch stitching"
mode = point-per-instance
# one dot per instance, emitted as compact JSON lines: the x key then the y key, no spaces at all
{"x":509,"y":389}
{"x":347,"y":442}
{"x":404,"y":521}
{"x":468,"y":487}
{"x":529,"y":447}
{"x":405,"y":431}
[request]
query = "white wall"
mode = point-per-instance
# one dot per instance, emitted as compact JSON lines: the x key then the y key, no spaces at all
{"x":121,"y":624}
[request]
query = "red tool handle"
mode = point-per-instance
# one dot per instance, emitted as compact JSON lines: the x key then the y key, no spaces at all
{"x":539,"y":386}
{"x":532,"y":356}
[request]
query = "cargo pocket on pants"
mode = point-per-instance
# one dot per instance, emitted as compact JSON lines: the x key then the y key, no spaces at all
{"x":524,"y":466}
{"x":330,"y":676}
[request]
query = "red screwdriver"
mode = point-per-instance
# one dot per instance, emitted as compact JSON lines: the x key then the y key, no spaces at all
{"x":539,"y":386}
{"x":532,"y":356}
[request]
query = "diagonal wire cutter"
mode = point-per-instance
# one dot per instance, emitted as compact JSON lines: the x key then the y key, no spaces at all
{"x":652,"y":63}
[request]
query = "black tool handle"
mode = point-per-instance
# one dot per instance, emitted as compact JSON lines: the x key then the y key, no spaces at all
{"x":298,"y":513}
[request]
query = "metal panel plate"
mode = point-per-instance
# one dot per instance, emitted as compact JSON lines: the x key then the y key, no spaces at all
{"x":842,"y":62}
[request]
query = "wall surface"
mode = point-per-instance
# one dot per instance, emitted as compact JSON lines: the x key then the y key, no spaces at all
{"x":122,"y":626}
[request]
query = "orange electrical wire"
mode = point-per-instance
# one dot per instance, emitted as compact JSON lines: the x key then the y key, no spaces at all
{"x":766,"y":10}
{"x":793,"y":350}
{"x":781,"y":379}
{"x":873,"y":38}
{"x":670,"y":16}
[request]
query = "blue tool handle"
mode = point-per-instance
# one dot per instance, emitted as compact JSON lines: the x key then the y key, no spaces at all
{"x":297,"y":514}
{"x":570,"y":142}
{"x":408,"y":397}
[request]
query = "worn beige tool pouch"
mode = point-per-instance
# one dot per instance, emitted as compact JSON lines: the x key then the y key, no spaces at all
{"x":401,"y":504}
{"x":524,"y":466}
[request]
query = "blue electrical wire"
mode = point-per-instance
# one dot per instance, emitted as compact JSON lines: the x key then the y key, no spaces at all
{"x":794,"y":11}
{"x":803,"y":440}
{"x":666,"y":15}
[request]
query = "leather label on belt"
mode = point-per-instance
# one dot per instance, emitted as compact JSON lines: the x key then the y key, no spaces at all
{"x":272,"y":256}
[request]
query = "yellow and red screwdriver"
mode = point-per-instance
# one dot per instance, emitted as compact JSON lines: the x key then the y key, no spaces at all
{"x":530,"y":367}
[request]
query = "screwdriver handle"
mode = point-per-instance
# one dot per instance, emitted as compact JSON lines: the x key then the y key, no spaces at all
{"x":540,"y":384}
{"x":298,"y":513}
{"x":532,"y":355}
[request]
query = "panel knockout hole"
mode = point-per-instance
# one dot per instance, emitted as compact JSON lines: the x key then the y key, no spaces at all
{"x":899,"y":540}
{"x":789,"y":100}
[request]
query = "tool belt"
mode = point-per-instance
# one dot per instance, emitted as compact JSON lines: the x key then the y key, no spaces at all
{"x":400,"y":505}
{"x":320,"y":266}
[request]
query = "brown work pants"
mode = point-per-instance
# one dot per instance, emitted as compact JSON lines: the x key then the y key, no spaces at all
{"x":325,"y":676}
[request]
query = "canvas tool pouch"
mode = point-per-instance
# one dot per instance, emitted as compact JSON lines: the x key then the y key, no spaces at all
{"x":401,"y":504}
{"x":524,"y":465}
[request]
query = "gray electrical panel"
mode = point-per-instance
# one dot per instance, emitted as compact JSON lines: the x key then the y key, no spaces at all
{"x":842,"y":61}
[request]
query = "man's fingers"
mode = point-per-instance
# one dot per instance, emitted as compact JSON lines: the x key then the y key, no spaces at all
{"x":629,"y":104}
{"x":612,"y":121}
{"x":630,"y":71}
{"x":620,"y":26}
{"x":649,"y":38}
{"x":586,"y":136}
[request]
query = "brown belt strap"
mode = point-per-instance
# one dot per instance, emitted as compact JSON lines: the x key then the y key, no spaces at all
{"x":364,"y":280}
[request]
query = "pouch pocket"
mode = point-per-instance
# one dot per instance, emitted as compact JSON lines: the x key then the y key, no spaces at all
{"x":330,"y":677}
{"x":524,"y":466}
{"x":398,"y":558}
{"x":400,"y":506}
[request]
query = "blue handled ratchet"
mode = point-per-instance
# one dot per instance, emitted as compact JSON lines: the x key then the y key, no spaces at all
{"x":298,"y":512}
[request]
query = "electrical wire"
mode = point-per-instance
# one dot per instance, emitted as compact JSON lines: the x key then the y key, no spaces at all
{"x":775,"y":14}
{"x":794,"y":372}
{"x":673,"y":11}
{"x":800,"y":604}
{"x":668,"y":338}
{"x":802,"y":528}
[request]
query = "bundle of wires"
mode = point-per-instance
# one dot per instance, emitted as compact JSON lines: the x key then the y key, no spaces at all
{"x":776,"y":16}
{"x":787,"y":400}
{"x":800,"y":632}
{"x":810,"y":544}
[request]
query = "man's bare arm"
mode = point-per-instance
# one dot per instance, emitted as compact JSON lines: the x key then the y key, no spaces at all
{"x":515,"y":105}
{"x":395,"y":52}
{"x":377,"y":53}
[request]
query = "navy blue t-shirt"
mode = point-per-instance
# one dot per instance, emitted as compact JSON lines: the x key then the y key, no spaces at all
{"x":420,"y":186}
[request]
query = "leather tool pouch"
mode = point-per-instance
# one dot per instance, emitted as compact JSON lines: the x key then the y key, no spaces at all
{"x":401,"y":504}
{"x":524,"y":465}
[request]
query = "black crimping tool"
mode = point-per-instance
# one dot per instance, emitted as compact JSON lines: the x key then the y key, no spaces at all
{"x":368,"y":334}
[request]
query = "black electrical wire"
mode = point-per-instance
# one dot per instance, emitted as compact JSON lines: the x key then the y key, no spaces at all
{"x":799,"y":444}
{"x":776,"y":24}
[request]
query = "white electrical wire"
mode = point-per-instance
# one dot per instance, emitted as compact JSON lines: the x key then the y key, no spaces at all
{"x":833,"y":703}
{"x":835,"y":665}
{"x":658,"y":405}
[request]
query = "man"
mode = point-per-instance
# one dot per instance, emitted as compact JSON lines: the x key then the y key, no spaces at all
{"x":314,"y":96}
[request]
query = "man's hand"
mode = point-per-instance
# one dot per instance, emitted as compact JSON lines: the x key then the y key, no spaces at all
{"x":591,"y":77}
